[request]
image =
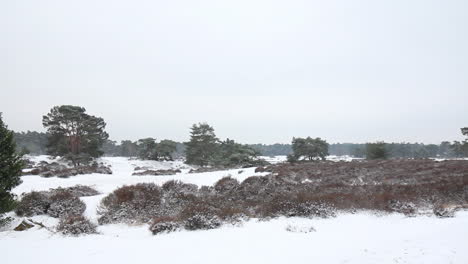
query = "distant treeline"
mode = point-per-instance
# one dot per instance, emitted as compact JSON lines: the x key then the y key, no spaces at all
{"x":36,"y":143}
{"x":394,"y":150}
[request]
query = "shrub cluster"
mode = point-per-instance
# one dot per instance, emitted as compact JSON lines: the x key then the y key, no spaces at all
{"x":76,"y":225}
{"x":318,"y":189}
{"x":63,"y":203}
{"x":177,"y":205}
{"x":53,"y":203}
{"x":164,"y":225}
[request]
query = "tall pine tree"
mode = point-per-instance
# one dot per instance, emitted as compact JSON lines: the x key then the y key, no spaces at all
{"x":202,"y":147}
{"x":74,"y":134}
{"x":10,"y":168}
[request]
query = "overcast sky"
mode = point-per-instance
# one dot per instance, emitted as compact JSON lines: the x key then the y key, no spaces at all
{"x":257,"y":70}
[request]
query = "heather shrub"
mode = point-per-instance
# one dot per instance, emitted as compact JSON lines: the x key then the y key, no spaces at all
{"x":63,"y":204}
{"x":226,"y":184}
{"x":232,"y":214}
{"x":295,"y":205}
{"x":165,"y":225}
{"x":79,"y":190}
{"x":132,"y":204}
{"x":75,"y":226}
{"x":318,"y":189}
{"x":202,"y":221}
{"x":444,"y":211}
{"x":33,"y":203}
{"x":176,"y":196}
{"x":199,"y":206}
{"x":55,"y":202}
{"x":179,"y":187}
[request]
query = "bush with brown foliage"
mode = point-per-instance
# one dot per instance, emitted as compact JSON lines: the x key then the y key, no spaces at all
{"x":202,"y":222}
{"x":132,"y":204}
{"x":318,"y":189}
{"x":79,"y":190}
{"x":226,"y":184}
{"x":55,"y":169}
{"x":156,"y":172}
{"x":33,"y":203}
{"x":75,"y":226}
{"x":56,"y":203}
{"x":165,"y":225}
{"x":295,"y":206}
{"x":64,"y":204}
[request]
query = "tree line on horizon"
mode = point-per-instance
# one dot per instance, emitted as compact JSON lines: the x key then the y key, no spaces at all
{"x":95,"y":142}
{"x":35,"y":143}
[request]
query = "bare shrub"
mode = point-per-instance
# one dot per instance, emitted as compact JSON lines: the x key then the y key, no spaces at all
{"x":75,"y":226}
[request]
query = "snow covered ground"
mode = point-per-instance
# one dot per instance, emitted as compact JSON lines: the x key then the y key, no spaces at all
{"x":348,"y":238}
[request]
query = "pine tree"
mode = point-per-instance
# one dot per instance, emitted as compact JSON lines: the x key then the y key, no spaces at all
{"x":232,"y":154}
{"x":74,"y":134}
{"x":376,"y":151}
{"x":202,"y":147}
{"x":10,"y":168}
{"x":309,"y":148}
{"x":165,"y":149}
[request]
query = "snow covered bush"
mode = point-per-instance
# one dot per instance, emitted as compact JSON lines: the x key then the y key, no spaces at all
{"x":79,"y":190}
{"x":226,"y":184}
{"x":295,"y":206}
{"x":64,"y":204}
{"x":33,"y":203}
{"x":75,"y":226}
{"x":179,"y":187}
{"x":201,"y":221}
{"x":55,"y":202}
{"x":300,"y":229}
{"x":201,"y":214}
{"x":406,"y":208}
{"x":444,"y":211}
{"x":176,"y":196}
{"x":165,"y":225}
{"x":132,"y":204}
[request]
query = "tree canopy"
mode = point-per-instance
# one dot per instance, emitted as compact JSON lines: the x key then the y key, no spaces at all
{"x":151,"y":150}
{"x":10,"y":168}
{"x":308,"y":148}
{"x":74,"y":134}
{"x":232,"y":154}
{"x":204,"y":148}
{"x":376,"y":150}
{"x":203,"y":144}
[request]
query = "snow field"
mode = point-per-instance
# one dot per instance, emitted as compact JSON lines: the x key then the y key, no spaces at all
{"x":348,"y":238}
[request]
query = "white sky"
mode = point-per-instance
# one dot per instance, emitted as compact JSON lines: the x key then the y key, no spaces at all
{"x":259,"y":71}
